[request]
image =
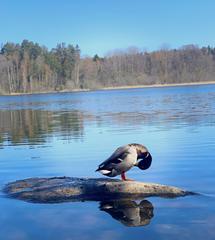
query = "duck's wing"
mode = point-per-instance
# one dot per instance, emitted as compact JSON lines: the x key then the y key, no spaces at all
{"x":115,"y":158}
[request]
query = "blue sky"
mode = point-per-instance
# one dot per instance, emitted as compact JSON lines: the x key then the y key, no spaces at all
{"x":98,"y":26}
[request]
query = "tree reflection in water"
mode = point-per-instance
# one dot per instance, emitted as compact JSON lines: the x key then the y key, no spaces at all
{"x":27,"y":126}
{"x":129,"y":212}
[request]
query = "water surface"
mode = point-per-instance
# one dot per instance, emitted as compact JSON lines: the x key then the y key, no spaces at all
{"x":69,"y":134}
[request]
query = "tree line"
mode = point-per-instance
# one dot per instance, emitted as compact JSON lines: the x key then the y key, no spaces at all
{"x":29,"y":67}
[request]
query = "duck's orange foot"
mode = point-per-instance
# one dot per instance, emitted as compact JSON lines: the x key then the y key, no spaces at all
{"x":129,"y":179}
{"x":123,"y":177}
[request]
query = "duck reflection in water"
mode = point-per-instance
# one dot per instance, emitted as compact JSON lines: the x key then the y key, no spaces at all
{"x":129,"y":212}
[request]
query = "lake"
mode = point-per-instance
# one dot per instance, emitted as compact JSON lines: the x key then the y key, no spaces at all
{"x":69,"y":134}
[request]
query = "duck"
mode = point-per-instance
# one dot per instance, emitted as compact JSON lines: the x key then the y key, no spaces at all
{"x":124,"y":158}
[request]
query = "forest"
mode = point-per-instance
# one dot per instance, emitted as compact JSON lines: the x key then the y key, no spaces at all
{"x":31,"y":68}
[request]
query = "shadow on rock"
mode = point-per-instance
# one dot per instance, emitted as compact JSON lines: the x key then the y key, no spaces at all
{"x":129,"y":212}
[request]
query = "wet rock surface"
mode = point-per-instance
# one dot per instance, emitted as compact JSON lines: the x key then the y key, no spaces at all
{"x":61,"y":189}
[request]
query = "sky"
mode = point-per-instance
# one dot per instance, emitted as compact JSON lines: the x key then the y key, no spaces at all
{"x":100,"y":26}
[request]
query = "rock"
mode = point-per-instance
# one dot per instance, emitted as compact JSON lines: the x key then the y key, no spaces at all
{"x":60,"y":189}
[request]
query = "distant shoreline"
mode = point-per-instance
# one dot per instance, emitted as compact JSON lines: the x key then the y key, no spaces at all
{"x":160,"y":85}
{"x":117,"y":88}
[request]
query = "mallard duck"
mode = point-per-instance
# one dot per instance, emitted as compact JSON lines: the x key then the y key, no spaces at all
{"x":124,"y":158}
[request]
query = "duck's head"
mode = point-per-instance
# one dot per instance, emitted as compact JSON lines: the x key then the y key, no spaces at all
{"x":144,"y":160}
